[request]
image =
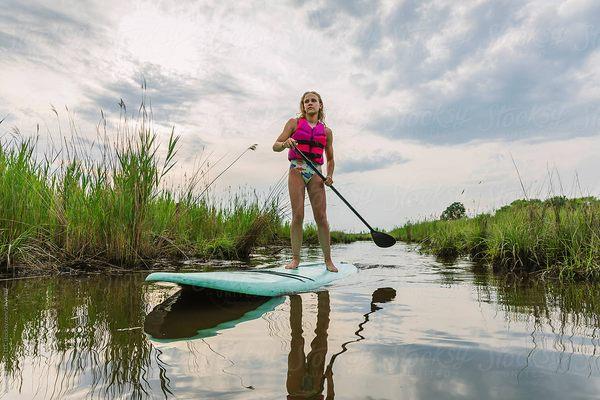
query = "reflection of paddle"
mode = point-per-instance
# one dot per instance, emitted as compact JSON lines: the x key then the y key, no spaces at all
{"x":381,"y":239}
{"x":381,"y":295}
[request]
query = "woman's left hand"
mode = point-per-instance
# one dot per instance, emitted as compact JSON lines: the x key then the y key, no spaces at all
{"x":328,"y":181}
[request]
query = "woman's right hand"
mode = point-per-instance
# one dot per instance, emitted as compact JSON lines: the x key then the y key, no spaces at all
{"x":289,"y":143}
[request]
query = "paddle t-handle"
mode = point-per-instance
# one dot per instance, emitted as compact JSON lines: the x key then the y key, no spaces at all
{"x":381,"y":239}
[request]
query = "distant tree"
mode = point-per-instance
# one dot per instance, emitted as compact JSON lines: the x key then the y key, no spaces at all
{"x":455,"y":210}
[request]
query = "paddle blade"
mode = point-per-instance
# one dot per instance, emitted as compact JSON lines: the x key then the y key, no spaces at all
{"x":382,"y":295}
{"x":382,"y":239}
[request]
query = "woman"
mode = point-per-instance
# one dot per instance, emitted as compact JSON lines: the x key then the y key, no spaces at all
{"x":314,"y":139}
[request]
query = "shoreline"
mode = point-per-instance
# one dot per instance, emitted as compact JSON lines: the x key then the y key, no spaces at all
{"x":24,"y":271}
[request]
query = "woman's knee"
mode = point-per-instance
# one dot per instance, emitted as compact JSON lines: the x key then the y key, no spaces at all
{"x":321,"y":218}
{"x":298,"y":216}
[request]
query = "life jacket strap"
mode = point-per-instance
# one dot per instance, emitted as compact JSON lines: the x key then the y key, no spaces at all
{"x":311,"y":143}
{"x":313,"y":155}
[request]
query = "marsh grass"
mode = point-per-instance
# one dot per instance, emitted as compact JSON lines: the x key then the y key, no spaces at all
{"x":67,"y":209}
{"x":558,"y":237}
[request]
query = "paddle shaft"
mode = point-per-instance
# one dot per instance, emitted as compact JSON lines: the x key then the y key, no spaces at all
{"x":310,"y":164}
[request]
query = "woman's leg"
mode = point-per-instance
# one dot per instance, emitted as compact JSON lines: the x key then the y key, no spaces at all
{"x":296,"y":188}
{"x":316,"y":194}
{"x":296,"y":359}
{"x":315,"y":361}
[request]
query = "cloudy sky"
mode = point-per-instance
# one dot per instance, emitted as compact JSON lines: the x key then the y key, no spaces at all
{"x":429,"y":101}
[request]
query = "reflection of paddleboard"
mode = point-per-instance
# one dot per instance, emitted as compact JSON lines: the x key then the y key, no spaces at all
{"x":193,"y":315}
{"x":260,"y":282}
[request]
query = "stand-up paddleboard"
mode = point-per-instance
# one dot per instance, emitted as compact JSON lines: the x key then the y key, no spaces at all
{"x":260,"y":282}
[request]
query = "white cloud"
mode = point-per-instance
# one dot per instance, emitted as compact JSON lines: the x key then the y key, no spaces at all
{"x":451,"y":88}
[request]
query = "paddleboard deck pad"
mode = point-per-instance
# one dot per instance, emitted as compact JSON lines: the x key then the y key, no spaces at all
{"x":260,"y":282}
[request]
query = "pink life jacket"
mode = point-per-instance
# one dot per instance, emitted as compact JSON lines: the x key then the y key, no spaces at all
{"x":311,"y":141}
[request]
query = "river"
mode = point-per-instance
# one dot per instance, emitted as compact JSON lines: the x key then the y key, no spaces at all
{"x":405,"y":326}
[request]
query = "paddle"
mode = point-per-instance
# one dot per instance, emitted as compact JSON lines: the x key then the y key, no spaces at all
{"x":381,"y":239}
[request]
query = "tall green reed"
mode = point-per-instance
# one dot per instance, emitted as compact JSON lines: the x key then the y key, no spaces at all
{"x":73,"y":208}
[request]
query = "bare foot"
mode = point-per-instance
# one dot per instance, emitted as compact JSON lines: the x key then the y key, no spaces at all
{"x":331,"y":267}
{"x":293,"y":264}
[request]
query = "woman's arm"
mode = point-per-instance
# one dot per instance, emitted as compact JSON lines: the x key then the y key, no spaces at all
{"x":329,"y":155}
{"x":284,"y":140}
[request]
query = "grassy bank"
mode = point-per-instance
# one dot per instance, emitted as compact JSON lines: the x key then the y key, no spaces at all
{"x":67,"y":209}
{"x":558,"y":237}
{"x":105,"y":205}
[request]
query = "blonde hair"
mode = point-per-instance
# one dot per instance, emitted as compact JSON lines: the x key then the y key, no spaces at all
{"x":321,"y":115}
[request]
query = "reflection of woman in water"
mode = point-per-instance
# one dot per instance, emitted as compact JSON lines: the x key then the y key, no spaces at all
{"x":306,"y":375}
